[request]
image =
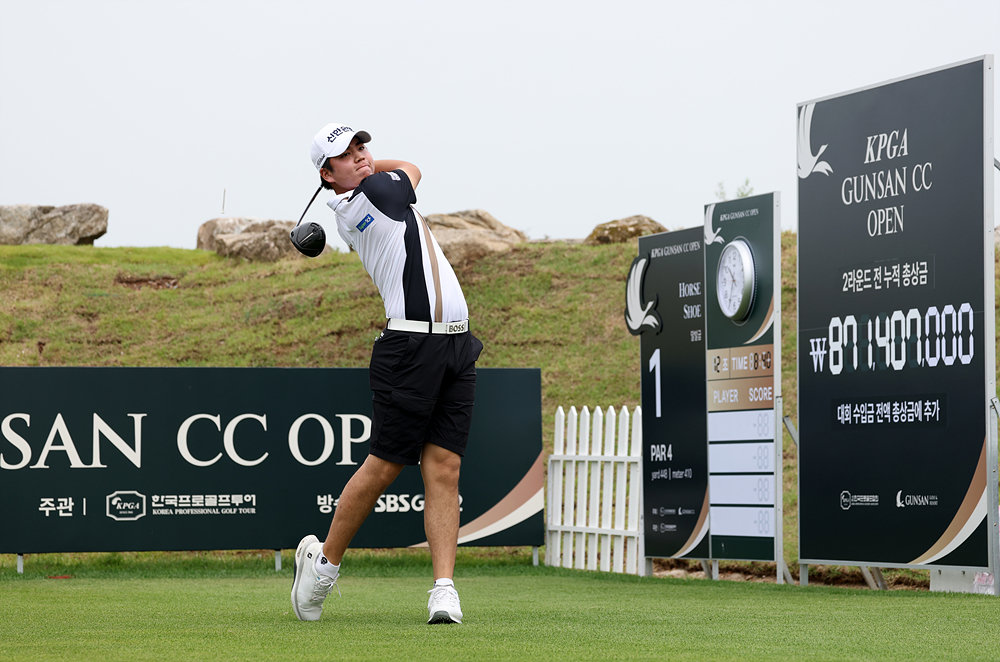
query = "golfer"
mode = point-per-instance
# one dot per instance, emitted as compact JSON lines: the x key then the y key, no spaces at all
{"x":423,"y":367}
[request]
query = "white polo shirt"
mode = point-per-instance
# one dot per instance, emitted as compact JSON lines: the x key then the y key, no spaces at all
{"x":415,"y":279}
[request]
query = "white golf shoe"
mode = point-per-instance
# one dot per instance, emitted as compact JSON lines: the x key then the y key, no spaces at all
{"x":443,"y":605}
{"x":309,"y":588}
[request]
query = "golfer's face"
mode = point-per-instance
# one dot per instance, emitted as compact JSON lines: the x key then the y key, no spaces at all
{"x":352,"y":166}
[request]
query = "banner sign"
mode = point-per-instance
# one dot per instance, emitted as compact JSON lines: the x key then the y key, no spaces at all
{"x":665,"y":307}
{"x":896,"y":322}
{"x":118,"y":459}
{"x":743,"y":359}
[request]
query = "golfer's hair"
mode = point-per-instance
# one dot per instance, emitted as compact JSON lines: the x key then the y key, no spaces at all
{"x":325,"y":184}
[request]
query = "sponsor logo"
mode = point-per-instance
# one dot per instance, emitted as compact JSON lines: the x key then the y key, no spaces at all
{"x":639,"y":313}
{"x":809,"y":162}
{"x":393,"y":176}
{"x":399,"y":503}
{"x":336,"y":133}
{"x":458,"y":327}
{"x":365,"y":222}
{"x":203,"y":504}
{"x":910,"y":500}
{"x":404,"y":503}
{"x":126,"y":505}
{"x":848,"y":500}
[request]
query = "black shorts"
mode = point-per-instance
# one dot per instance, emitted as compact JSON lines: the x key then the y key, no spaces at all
{"x":423,"y":389}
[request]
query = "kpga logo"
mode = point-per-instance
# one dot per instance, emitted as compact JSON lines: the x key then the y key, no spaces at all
{"x":126,"y":505}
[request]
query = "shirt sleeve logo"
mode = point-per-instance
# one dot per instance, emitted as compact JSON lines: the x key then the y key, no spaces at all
{"x":365,"y":222}
{"x":394,"y":176}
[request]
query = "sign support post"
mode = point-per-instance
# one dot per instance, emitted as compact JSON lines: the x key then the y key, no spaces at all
{"x":992,"y":414}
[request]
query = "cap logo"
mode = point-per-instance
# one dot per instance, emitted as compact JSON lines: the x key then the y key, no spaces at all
{"x":336,"y":133}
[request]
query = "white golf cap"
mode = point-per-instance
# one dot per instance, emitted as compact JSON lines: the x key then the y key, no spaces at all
{"x":333,"y":140}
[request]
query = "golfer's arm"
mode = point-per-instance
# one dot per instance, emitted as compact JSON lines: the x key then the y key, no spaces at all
{"x":412,"y":171}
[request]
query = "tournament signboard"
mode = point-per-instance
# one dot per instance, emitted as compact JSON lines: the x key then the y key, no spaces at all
{"x":897,"y":456}
{"x":117,"y":459}
{"x":665,"y":307}
{"x":743,"y":359}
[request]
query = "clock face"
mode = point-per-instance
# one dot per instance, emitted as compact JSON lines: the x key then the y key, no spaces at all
{"x":736,"y":280}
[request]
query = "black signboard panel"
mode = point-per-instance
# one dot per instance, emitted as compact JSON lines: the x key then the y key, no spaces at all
{"x":895,"y":321}
{"x":665,"y":304}
{"x":109,"y":459}
{"x":743,"y":358}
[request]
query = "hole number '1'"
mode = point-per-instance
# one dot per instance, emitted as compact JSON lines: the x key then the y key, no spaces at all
{"x":654,"y":367}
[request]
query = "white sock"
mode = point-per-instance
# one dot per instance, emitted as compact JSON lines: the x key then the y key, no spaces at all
{"x":324,"y":567}
{"x":444,"y":581}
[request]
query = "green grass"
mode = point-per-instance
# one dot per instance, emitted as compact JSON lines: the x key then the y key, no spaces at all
{"x":205,"y":608}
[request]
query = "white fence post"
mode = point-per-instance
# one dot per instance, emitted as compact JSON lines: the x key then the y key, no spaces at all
{"x":583,"y":450}
{"x":594,"y":504}
{"x":569,"y":491}
{"x":595,"y":491}
{"x":607,"y":485}
{"x":635,"y":495}
{"x":553,"y":538}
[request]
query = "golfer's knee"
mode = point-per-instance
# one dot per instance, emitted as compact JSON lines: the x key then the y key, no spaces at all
{"x":442,"y":470}
{"x":381,"y":472}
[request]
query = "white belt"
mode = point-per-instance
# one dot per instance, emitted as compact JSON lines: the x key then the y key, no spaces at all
{"x":396,"y":324}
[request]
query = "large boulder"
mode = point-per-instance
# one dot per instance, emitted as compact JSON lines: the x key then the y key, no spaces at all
{"x":257,"y":241}
{"x":216,"y":226}
{"x":44,"y":224}
{"x":466,"y":236}
{"x":622,"y":230}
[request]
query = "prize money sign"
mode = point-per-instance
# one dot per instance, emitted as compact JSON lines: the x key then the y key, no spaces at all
{"x":895,"y":320}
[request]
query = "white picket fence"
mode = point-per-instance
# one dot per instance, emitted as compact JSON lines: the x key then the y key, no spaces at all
{"x":595,"y":492}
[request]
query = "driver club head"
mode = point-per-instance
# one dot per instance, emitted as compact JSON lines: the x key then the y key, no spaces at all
{"x":309,"y":238}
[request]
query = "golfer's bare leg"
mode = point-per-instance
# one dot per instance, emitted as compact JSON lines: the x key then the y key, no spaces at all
{"x":440,"y":468}
{"x":356,"y":502}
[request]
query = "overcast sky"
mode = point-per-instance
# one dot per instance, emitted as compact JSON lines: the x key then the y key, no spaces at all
{"x":552,"y":116}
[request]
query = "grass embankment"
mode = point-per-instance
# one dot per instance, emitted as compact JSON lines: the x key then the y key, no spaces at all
{"x":554,"y":306}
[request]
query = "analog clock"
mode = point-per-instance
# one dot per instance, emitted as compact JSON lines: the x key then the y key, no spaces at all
{"x":736,"y":280}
